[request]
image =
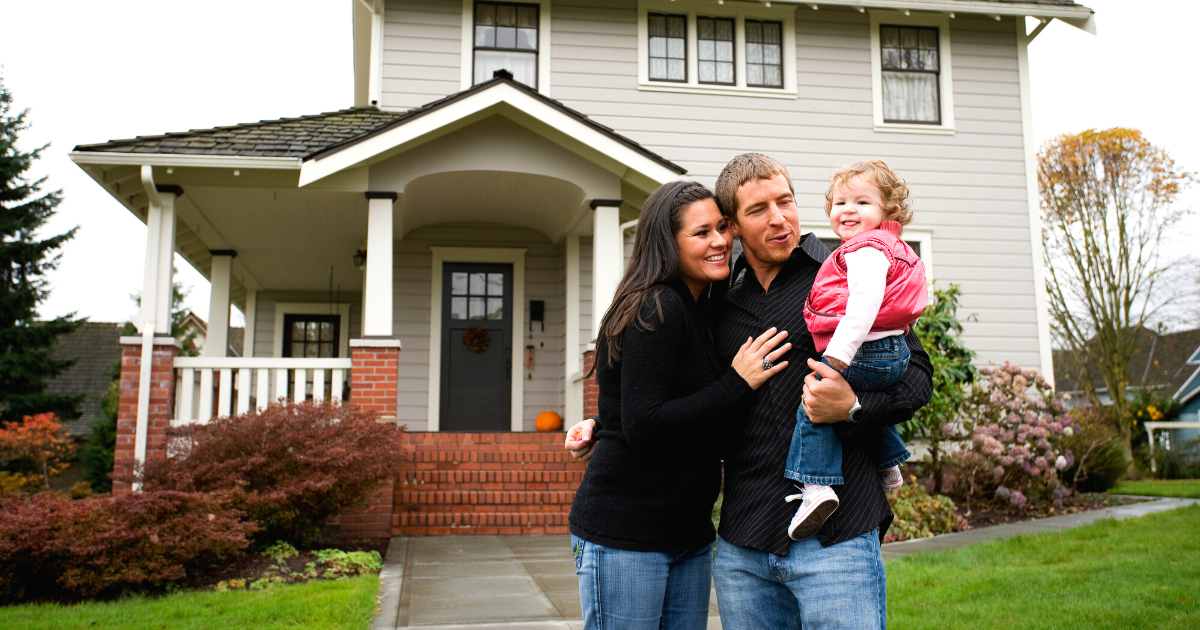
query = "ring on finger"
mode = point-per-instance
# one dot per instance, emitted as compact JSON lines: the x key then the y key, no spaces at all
{"x":767,"y":364}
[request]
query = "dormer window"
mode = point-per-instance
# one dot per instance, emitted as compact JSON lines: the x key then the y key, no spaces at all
{"x":506,"y":38}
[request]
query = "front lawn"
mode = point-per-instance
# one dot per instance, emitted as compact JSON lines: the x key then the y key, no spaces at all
{"x":1137,"y":573}
{"x":346,"y":604}
{"x":1188,"y":488}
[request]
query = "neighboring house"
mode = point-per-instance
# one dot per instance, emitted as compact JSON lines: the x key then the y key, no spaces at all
{"x":196,"y":328}
{"x":1167,"y":362}
{"x":96,"y":349}
{"x":474,"y":205}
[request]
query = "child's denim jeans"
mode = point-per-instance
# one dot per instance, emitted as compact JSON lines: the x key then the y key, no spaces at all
{"x":816,"y":453}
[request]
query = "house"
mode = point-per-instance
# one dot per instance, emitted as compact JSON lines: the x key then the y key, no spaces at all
{"x":196,"y":329}
{"x":96,"y":349}
{"x":1168,"y":362}
{"x":441,"y":251}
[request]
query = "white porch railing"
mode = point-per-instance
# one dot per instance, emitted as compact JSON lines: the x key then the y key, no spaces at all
{"x":259,"y":381}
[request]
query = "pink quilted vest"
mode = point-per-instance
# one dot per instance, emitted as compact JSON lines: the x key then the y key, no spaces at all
{"x":904,"y":296}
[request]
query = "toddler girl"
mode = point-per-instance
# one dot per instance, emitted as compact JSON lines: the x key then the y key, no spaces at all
{"x":866,"y":295}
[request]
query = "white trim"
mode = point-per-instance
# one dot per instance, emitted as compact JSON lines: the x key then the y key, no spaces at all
{"x":513,"y":256}
{"x":196,"y":161}
{"x":474,"y":107}
{"x":573,"y":358}
{"x":233,"y":363}
{"x":945,"y":74}
{"x":1040,"y":299}
{"x":466,"y":77}
{"x":1183,"y":388}
{"x":251,"y":314}
{"x":375,"y":69}
{"x":374,"y":343}
{"x":159,"y":340}
{"x":313,"y":308}
{"x":739,"y":11}
{"x":1078,"y":16}
{"x":216,"y":341}
{"x":377,"y":286}
{"x":924,"y":236}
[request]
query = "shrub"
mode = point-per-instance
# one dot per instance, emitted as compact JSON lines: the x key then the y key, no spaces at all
{"x":349,"y":562}
{"x":1101,"y":460}
{"x":39,"y":445}
{"x":51,"y":545}
{"x":919,"y":515}
{"x":1018,"y":431}
{"x":289,"y":467}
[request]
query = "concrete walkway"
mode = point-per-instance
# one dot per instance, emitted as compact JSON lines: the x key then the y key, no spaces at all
{"x":528,"y":582}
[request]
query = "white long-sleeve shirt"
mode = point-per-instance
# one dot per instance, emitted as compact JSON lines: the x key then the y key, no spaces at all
{"x":866,"y":277}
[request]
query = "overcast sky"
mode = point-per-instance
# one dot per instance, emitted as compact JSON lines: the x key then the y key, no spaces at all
{"x":96,"y":71}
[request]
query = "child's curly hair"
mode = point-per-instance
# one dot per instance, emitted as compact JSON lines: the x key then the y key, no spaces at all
{"x":893,"y":190}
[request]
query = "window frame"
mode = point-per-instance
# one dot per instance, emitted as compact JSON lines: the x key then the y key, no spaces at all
{"x":476,"y":48}
{"x":760,"y":21}
{"x":739,"y":12}
{"x":715,"y":19}
{"x":291,"y":318}
{"x":341,"y":309}
{"x":544,"y":52}
{"x":687,"y":36}
{"x":941,"y":22}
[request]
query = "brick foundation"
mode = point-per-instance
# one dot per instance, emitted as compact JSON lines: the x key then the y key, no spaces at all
{"x":372,"y":521}
{"x":162,"y":406}
{"x":373,"y":378}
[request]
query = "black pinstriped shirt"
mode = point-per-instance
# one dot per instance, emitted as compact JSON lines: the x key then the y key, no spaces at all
{"x":754,"y":513}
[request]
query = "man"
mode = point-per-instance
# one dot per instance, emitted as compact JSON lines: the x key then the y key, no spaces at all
{"x":764,"y":579}
{"x":834,"y":579}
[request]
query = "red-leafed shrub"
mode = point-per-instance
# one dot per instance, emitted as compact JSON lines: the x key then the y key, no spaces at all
{"x":290,"y":467}
{"x":55,"y":547}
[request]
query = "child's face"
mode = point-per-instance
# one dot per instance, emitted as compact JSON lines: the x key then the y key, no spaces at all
{"x":857,"y":207}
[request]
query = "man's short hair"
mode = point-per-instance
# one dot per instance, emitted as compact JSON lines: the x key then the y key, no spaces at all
{"x":747,"y":167}
{"x":892,"y":188}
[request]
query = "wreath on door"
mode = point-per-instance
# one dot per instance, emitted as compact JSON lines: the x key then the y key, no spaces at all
{"x":476,"y":339}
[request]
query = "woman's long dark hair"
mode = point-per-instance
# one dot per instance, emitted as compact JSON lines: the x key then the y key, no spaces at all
{"x":655,"y":260}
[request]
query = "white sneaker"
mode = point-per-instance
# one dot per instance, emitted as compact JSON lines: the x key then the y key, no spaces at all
{"x":819,"y":502}
{"x":891,"y":479}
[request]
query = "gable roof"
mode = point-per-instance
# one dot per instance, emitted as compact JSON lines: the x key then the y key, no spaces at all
{"x":322,"y":135}
{"x":96,"y":346}
{"x":1159,"y":360}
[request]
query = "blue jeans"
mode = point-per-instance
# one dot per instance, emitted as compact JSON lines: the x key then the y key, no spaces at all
{"x":636,"y":590}
{"x":816,"y":452}
{"x":840,"y":587}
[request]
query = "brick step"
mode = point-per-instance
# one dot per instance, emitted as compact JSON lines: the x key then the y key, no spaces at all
{"x":478,"y":523}
{"x":426,"y":439}
{"x":432,"y":479}
{"x":558,"y":456}
{"x":485,"y":497}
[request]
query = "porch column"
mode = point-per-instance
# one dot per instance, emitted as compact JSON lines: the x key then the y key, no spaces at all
{"x":142,"y":420}
{"x":607,"y":254}
{"x":377,"y":289}
{"x":217,"y":342}
{"x":572,"y":384}
{"x":159,"y":268}
{"x":251,"y":316}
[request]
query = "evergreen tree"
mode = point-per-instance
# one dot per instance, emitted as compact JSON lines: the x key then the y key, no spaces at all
{"x":26,"y":345}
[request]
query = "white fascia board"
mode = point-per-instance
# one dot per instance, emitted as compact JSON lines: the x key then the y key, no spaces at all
{"x":384,"y":145}
{"x":196,"y":161}
{"x":1185,"y":391}
{"x":1079,"y":17}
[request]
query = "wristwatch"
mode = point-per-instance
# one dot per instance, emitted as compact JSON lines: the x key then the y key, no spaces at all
{"x":851,"y":417}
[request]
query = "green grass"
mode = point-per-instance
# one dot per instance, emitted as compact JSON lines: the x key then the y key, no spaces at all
{"x":1136,"y":573}
{"x":343,"y":605}
{"x":1188,"y":488}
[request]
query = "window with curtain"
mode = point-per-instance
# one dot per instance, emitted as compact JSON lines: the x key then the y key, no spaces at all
{"x":764,"y":54}
{"x":506,"y":38}
{"x":668,"y":43}
{"x":911,"y":69}
{"x":715,"y":55}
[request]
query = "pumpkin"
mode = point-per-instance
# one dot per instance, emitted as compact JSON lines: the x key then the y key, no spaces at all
{"x":549,"y":421}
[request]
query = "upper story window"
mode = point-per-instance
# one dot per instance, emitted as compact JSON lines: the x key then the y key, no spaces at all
{"x":764,"y":53}
{"x":911,"y":84}
{"x":506,"y":37}
{"x":714,"y":39}
{"x":668,"y":45}
{"x":743,"y":48}
{"x":909,"y":56}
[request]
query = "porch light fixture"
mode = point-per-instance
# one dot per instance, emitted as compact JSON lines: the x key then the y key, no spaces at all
{"x":360,"y":259}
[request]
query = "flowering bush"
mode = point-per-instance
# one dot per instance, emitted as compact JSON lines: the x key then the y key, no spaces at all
{"x":39,"y":445}
{"x":53,"y":546}
{"x":289,"y":467}
{"x":919,"y":515}
{"x":1017,"y":430}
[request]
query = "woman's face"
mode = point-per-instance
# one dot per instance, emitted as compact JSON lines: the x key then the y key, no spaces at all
{"x":704,"y":244}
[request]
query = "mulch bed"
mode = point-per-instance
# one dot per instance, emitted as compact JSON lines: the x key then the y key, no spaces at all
{"x":989,"y":513}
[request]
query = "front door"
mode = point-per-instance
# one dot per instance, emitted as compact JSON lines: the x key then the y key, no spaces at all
{"x":476,"y":347}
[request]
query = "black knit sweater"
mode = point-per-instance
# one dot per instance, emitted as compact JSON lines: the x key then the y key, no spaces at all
{"x":655,"y":472}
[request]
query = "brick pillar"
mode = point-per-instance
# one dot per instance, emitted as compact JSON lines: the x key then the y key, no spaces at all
{"x":373,"y":375}
{"x":162,"y":403}
{"x":591,"y":389}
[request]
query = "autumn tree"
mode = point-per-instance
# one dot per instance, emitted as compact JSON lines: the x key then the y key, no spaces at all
{"x":1108,"y":201}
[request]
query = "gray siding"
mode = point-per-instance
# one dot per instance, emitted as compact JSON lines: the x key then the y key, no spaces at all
{"x":264,"y":318}
{"x":969,"y":188}
{"x":421,"y":49}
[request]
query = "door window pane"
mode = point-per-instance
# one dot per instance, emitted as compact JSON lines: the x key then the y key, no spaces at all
{"x":458,"y":283}
{"x":715,"y":50}
{"x":458,"y":308}
{"x":668,"y":40}
{"x":495,"y":308}
{"x":764,"y":53}
{"x":478,"y":281}
{"x":476,"y":308}
{"x":911,"y":74}
{"x":495,"y":284}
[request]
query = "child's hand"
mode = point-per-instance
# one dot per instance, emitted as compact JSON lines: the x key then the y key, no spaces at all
{"x":836,"y":363}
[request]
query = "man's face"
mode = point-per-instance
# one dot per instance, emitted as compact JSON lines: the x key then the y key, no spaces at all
{"x":766,"y":220}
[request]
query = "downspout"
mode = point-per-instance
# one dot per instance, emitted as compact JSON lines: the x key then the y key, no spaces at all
{"x":148,"y":323}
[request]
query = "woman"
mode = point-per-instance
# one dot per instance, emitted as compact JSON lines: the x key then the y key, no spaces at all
{"x":641,"y":525}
